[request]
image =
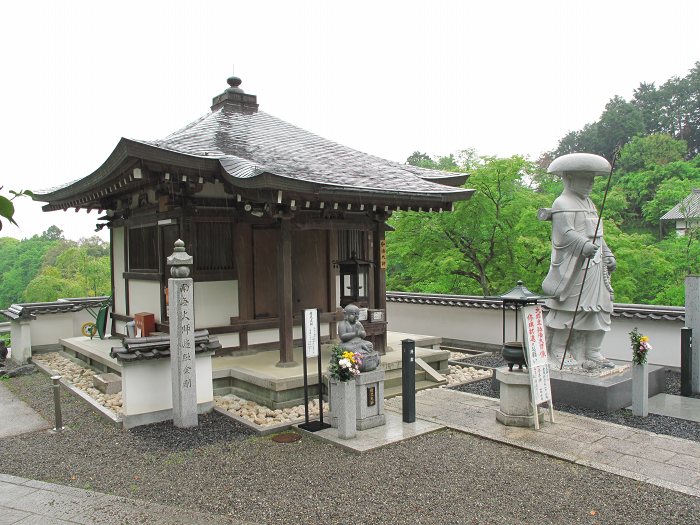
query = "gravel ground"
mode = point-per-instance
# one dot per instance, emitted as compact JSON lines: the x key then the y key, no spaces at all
{"x":438,"y":478}
{"x":669,"y":426}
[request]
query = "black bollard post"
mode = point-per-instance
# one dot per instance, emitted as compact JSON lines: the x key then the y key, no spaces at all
{"x":57,"y":403}
{"x":408,"y":379}
{"x":686,"y":361}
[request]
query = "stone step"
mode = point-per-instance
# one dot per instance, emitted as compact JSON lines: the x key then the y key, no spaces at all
{"x":420,"y":385}
{"x":393,"y":378}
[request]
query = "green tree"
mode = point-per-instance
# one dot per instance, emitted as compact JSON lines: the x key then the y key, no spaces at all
{"x":643,"y":153}
{"x":483,"y":246}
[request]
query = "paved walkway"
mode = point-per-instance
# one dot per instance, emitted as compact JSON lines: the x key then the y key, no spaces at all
{"x":665,"y":461}
{"x":17,"y":417}
{"x":24,"y":501}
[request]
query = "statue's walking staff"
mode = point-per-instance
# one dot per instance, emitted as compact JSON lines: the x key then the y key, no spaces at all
{"x":616,"y":154}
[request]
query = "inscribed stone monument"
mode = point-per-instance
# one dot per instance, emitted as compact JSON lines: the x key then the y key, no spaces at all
{"x":182,"y":358}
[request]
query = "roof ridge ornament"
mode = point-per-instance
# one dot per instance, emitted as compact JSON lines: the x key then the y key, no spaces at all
{"x":234,"y":82}
{"x":235,"y":99}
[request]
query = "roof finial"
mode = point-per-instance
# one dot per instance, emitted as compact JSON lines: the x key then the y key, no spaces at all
{"x":234,"y":82}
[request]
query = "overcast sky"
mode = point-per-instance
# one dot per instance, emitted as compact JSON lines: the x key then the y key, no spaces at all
{"x":384,"y":77}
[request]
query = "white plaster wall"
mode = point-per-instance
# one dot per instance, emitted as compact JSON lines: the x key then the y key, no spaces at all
{"x":80,"y":318}
{"x":119,"y":269}
{"x":468,"y":324}
{"x":120,"y":327}
{"x":147,"y":387}
{"x":48,"y":329}
{"x":484,"y":325}
{"x":263,"y":336}
{"x":144,"y":296}
{"x":229,"y":340}
{"x":215,"y":302}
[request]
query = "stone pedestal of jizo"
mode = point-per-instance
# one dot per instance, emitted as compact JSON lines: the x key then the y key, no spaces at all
{"x":369,"y":401}
{"x":343,"y":407}
{"x":516,"y":399}
{"x":369,"y":396}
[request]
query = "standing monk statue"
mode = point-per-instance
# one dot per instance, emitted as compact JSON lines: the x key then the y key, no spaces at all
{"x":576,"y":245}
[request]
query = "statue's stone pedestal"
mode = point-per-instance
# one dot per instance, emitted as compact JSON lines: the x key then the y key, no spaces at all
{"x":605,"y":390}
{"x":516,"y":399}
{"x":369,"y":401}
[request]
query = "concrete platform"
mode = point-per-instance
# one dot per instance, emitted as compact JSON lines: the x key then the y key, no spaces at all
{"x":607,"y":393}
{"x":257,"y":377}
{"x":393,"y":431}
{"x":675,"y":406}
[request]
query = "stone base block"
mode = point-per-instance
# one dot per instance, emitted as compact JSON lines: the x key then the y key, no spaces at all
{"x":518,"y":421}
{"x":108,"y":383}
{"x":516,"y":399}
{"x":369,"y":401}
{"x":371,"y":422}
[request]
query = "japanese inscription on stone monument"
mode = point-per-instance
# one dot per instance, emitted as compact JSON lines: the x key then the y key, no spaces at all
{"x":182,"y":347}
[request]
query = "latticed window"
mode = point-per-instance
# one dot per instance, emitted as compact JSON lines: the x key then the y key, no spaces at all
{"x":213,"y":247}
{"x":143,"y":248}
{"x":352,"y":244}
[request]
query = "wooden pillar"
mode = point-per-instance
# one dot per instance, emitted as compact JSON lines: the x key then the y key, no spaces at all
{"x":332,"y":278}
{"x":243,"y":253}
{"x":284,"y":294}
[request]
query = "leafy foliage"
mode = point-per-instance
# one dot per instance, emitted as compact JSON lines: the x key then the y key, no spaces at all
{"x":672,"y":109}
{"x":475,"y":248}
{"x":46,"y":267}
{"x":494,"y":239}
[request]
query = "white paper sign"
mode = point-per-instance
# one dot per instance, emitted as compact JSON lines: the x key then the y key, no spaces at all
{"x":363,"y":314}
{"x":311,"y":332}
{"x":536,"y":350}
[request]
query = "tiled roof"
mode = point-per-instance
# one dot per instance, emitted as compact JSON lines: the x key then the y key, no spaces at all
{"x":255,"y":150}
{"x":157,"y":347}
{"x":250,"y":144}
{"x":31,"y":310}
{"x":688,"y":208}
{"x":627,"y":311}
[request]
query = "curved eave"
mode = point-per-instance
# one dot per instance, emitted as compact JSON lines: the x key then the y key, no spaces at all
{"x":111,"y":174}
{"x":114,"y":176}
{"x":332,"y":192}
{"x":454,"y":180}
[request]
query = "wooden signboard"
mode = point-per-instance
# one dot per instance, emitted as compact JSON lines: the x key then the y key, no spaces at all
{"x":537,"y":362}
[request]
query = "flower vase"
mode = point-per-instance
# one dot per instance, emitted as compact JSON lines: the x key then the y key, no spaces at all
{"x":343,"y":403}
{"x":640,"y":389}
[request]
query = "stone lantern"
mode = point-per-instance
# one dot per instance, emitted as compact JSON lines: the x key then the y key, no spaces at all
{"x":517,"y":297}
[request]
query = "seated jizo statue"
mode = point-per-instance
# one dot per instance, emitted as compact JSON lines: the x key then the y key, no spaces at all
{"x":578,"y":252}
{"x":351,"y":334}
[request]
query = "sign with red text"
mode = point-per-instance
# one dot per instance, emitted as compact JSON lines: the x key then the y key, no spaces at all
{"x":536,"y":353}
